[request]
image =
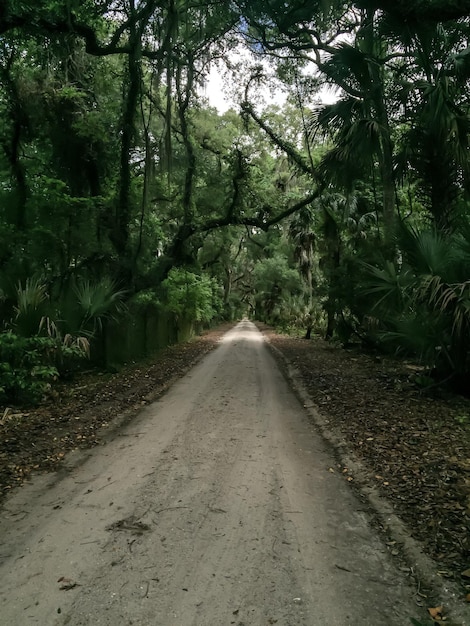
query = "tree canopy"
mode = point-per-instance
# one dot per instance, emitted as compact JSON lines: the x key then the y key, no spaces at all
{"x":120,"y":182}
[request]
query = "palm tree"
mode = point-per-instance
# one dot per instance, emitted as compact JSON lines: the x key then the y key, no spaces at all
{"x":434,"y":94}
{"x":302,"y":234}
{"x":358,"y":123}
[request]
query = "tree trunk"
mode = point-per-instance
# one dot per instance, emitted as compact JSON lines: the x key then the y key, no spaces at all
{"x":184,"y":95}
{"x":331,"y":320}
{"x":12,"y":147}
{"x":120,"y":231}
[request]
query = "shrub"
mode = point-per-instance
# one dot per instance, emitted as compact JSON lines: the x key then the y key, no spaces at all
{"x":29,"y":366}
{"x":423,"y":301}
{"x":25,"y":374}
{"x":193,"y":297}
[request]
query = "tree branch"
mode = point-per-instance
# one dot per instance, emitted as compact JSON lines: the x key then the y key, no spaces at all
{"x":257,"y":222}
{"x":285,"y":146}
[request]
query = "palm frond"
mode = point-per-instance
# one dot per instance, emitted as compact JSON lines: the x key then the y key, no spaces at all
{"x":389,"y":286}
{"x":362,"y":138}
{"x":332,"y":118}
{"x":98,"y":301}
{"x":31,"y":306}
{"x":31,"y":296}
{"x":427,"y":251}
{"x":348,"y":61}
{"x":461,"y":63}
{"x":418,"y":334}
{"x":452,"y":300}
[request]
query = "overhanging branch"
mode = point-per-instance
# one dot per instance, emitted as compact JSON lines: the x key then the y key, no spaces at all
{"x":257,"y":222}
{"x":186,"y":231}
{"x":285,"y":146}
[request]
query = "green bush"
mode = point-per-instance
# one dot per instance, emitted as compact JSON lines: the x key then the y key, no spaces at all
{"x":29,"y":366}
{"x":422,"y":300}
{"x":25,"y":372}
{"x":191,"y":297}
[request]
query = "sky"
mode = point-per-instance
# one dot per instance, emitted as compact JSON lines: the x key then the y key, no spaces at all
{"x":217,"y":91}
{"x":214,"y":91}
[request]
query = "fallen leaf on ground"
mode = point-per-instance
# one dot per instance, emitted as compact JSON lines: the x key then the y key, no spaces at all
{"x":436,"y":613}
{"x":67,"y":583}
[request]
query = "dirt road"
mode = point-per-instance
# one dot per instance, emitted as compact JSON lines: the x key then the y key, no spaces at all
{"x":216,"y":506}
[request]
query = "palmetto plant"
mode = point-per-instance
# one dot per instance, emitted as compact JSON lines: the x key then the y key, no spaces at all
{"x":96,"y":302}
{"x":435,"y":146}
{"x":432,"y":128}
{"x":67,"y":344}
{"x":34,"y":350}
{"x":32,"y":303}
{"x":423,"y":301}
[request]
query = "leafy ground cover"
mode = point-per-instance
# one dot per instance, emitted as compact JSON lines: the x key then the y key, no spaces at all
{"x":414,"y":443}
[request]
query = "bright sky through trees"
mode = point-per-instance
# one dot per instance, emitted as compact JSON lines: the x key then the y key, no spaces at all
{"x":218,"y":89}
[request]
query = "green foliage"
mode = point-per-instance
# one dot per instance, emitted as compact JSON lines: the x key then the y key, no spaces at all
{"x":424,"y":301}
{"x":113,"y":170}
{"x":191,"y":297}
{"x":31,"y":307}
{"x":70,"y":350}
{"x":97,"y":301}
{"x":38,"y":349}
{"x":146,"y":298}
{"x":275,"y":284}
{"x":26,"y":370}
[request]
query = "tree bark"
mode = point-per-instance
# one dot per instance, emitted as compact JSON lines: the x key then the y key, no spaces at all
{"x":120,"y":232}
{"x":12,"y":145}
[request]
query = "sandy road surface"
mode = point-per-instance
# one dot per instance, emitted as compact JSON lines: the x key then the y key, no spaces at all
{"x":216,"y":506}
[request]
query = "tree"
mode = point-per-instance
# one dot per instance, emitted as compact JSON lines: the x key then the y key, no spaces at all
{"x":304,"y":237}
{"x":434,"y":141}
{"x":191,"y":297}
{"x":416,"y":12}
{"x":114,"y":170}
{"x":275,"y":283}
